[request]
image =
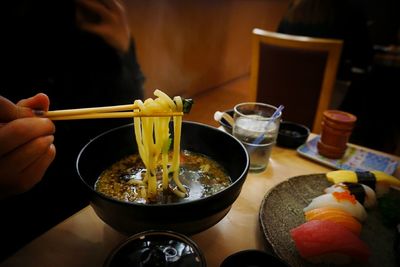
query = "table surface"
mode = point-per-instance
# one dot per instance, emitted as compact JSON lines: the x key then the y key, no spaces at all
{"x":84,"y":240}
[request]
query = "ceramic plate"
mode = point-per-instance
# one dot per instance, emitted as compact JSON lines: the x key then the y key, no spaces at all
{"x":282,"y":210}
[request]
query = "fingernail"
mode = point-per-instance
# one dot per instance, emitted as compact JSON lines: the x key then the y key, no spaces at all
{"x":52,"y":147}
{"x":38,"y":112}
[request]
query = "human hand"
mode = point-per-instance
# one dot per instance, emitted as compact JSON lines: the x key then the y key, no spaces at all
{"x":107,"y":19}
{"x":26,"y":144}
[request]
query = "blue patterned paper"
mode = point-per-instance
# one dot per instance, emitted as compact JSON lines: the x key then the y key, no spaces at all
{"x":355,"y":158}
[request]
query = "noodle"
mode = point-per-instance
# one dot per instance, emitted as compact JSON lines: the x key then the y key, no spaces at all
{"x":153,"y":140}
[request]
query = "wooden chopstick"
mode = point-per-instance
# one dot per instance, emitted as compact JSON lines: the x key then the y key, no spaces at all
{"x":80,"y":111}
{"x":107,"y":112}
{"x":113,"y":115}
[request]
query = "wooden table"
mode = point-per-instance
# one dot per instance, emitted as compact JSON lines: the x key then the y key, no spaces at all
{"x":84,"y":240}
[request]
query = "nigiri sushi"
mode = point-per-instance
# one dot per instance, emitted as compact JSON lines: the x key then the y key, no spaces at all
{"x":340,"y":200}
{"x":335,"y":215}
{"x":328,"y":242}
{"x":363,"y":193}
{"x":377,"y":180}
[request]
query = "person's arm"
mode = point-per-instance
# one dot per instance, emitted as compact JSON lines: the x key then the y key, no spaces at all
{"x":26,"y":144}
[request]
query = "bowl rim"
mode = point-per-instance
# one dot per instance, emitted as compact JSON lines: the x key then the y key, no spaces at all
{"x":241,"y":178}
{"x":134,"y":237}
{"x":251,"y":252}
{"x":299,"y":125}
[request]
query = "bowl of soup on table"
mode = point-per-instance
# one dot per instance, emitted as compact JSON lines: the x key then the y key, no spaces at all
{"x":213,"y":166}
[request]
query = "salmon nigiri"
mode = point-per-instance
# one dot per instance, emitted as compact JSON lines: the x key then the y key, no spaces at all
{"x":335,"y":215}
{"x":328,"y":242}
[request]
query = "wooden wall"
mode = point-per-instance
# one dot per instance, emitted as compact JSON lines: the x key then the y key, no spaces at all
{"x":188,"y":46}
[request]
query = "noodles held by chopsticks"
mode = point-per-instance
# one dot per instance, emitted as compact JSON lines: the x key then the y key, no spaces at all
{"x":153,"y":141}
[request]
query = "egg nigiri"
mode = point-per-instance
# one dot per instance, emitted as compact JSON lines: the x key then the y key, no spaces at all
{"x":377,"y":180}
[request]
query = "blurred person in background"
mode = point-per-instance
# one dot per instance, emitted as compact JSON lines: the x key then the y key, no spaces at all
{"x":369,"y":89}
{"x":335,"y":19}
{"x":80,"y":54}
{"x":384,"y":26}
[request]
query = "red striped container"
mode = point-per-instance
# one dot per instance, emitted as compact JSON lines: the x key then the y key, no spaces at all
{"x":337,"y":127}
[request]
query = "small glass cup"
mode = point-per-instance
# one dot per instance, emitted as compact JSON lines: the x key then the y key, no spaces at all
{"x":257,"y":131}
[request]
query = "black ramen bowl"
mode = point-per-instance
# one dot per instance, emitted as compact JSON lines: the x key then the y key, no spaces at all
{"x":156,"y":248}
{"x":292,"y":135}
{"x":187,"y":217}
{"x":227,"y":127}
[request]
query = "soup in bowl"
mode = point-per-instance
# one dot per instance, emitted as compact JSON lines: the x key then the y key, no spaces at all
{"x":189,"y":215}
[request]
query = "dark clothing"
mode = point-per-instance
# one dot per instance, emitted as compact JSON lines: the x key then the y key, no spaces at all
{"x":373,"y":99}
{"x":44,"y":51}
{"x":347,"y":23}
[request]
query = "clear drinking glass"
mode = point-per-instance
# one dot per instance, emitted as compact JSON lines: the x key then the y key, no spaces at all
{"x":257,"y":131}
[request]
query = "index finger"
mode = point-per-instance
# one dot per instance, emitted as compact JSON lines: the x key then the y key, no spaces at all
{"x":38,"y":102}
{"x":9,"y":111}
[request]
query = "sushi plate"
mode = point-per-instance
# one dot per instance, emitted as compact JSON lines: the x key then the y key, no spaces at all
{"x":282,"y":210}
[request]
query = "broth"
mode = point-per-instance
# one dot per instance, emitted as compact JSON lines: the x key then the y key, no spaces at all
{"x":201,"y":175}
